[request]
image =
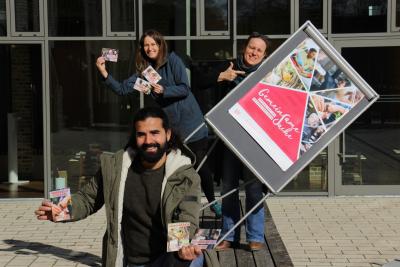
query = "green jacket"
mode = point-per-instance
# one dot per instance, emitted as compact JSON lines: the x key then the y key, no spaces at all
{"x":180,"y":198}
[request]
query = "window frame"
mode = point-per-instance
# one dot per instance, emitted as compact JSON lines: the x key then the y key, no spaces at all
{"x":201,"y":20}
{"x":13,"y":30}
{"x":324,"y":28}
{"x":109,"y":31}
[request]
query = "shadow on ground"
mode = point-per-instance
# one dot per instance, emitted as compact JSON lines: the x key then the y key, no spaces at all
{"x":36,"y":248}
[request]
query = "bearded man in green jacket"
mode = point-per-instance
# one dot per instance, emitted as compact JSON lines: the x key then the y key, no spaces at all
{"x":143,"y":188}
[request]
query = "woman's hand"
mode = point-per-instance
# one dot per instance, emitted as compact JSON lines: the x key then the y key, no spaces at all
{"x":229,"y":74}
{"x":101,"y":66}
{"x":158,"y":89}
{"x":189,"y":253}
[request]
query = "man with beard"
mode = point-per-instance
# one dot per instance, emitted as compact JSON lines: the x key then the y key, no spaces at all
{"x":143,"y":188}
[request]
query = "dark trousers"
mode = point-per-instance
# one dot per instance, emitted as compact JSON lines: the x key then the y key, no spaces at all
{"x":200,"y":148}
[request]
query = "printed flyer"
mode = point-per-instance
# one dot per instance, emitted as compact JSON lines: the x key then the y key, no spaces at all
{"x":178,"y":235}
{"x":296,"y":103}
{"x":62,"y":205}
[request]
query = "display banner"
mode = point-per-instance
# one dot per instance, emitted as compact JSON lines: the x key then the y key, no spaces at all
{"x":279,"y":118}
{"x":296,"y":103}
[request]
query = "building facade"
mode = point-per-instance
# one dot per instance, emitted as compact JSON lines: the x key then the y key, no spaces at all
{"x":57,"y":117}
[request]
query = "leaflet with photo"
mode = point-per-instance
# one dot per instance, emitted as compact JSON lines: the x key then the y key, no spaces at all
{"x":206,"y":238}
{"x":142,"y":86}
{"x":62,"y":204}
{"x":110,"y":54}
{"x":178,"y":236}
{"x":151,"y":75}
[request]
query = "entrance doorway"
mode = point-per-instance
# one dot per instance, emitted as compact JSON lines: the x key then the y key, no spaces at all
{"x":369,"y":150}
{"x":21,"y":121}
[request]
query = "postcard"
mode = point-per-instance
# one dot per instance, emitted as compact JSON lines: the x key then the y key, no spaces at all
{"x":142,"y":86}
{"x":110,"y":54}
{"x":178,"y":236}
{"x":206,"y":238}
{"x":62,"y":204}
{"x":151,"y":75}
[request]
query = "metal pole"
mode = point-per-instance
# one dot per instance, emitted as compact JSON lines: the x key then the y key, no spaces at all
{"x":206,"y":156}
{"x":195,"y":131}
{"x":242,"y":219}
{"x":227,"y":194}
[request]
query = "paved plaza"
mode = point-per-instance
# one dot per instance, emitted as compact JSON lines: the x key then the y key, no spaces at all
{"x":317,"y":231}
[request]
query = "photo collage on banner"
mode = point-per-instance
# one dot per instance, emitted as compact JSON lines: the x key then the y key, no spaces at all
{"x":296,"y":103}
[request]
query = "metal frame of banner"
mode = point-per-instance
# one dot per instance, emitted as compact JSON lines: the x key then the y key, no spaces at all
{"x":311,"y":31}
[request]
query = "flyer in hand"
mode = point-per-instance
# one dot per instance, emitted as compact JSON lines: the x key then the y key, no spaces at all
{"x":151,"y":75}
{"x":110,"y":54}
{"x":206,"y":238}
{"x":142,"y":86}
{"x":178,"y":236}
{"x":61,"y":204}
{"x":296,"y":103}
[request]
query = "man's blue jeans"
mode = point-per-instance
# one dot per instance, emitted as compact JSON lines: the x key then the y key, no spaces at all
{"x":232,"y":170}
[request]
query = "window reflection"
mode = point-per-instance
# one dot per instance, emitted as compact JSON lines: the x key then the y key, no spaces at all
{"x":216,"y":15}
{"x":3,"y":18}
{"x":350,"y":16}
{"x":372,"y":146}
{"x":21,"y":121}
{"x":168,"y":17}
{"x":27,"y":16}
{"x":122,"y":15}
{"x":397,"y":13}
{"x":313,"y":178}
{"x":264,"y":16}
{"x":86,"y":117}
{"x":311,"y":10}
{"x":74,"y":17}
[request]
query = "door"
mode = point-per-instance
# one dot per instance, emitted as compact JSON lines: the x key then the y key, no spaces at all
{"x":21,"y":121}
{"x":368,"y":152}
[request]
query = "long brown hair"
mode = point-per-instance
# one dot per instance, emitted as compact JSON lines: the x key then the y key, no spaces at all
{"x":142,"y":60}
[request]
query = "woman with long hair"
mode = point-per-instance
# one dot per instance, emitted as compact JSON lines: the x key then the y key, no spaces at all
{"x":173,"y":94}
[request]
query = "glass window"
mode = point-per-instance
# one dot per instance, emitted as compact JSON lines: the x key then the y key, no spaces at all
{"x":208,"y":57}
{"x":351,"y":16}
{"x":168,"y":17}
{"x":86,"y":117}
{"x":3,"y":18}
{"x":311,"y":10}
{"x":75,"y":17}
{"x":27,"y":16}
{"x":21,"y":121}
{"x":397,"y":13}
{"x":264,"y":16}
{"x":122,"y":15}
{"x":371,"y":144}
{"x":216,"y":15}
{"x":313,"y":178}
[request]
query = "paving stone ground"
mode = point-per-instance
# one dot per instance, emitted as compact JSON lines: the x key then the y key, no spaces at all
{"x":317,"y":231}
{"x":339,"y":231}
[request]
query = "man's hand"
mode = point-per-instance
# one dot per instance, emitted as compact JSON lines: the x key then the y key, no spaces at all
{"x":101,"y":66}
{"x":44,"y":211}
{"x":229,"y":74}
{"x":189,"y":253}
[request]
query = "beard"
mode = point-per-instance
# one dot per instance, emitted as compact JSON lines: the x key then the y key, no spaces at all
{"x":152,"y":157}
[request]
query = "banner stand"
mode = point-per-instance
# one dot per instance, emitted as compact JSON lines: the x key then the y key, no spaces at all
{"x":243,"y":218}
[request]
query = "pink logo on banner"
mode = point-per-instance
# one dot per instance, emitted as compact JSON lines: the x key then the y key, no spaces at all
{"x":280,"y":113}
